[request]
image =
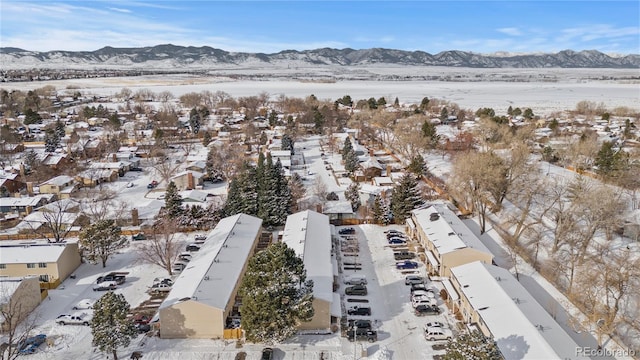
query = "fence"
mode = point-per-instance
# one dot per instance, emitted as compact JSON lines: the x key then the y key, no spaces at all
{"x":232,"y":333}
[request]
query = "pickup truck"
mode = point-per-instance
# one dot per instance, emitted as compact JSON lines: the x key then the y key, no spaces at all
{"x":118,"y":277}
{"x":74,"y":319}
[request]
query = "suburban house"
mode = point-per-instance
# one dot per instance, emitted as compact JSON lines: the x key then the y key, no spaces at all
{"x":308,"y":233}
{"x":49,"y":262}
{"x":10,"y":182}
{"x":492,"y":300}
{"x":18,"y":297}
{"x":338,"y":211}
{"x":382,"y":181}
{"x":23,"y":205}
{"x":447,"y":241}
{"x":188,"y":180}
{"x":62,"y":186}
{"x":199,"y":166}
{"x":203,"y":296}
{"x":94,"y":177}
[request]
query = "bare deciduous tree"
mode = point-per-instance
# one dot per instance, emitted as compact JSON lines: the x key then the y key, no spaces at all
{"x":162,"y":248}
{"x":17,"y":321}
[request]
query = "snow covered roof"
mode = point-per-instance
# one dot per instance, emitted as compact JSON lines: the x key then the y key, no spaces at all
{"x":212,"y":275}
{"x":195,"y":195}
{"x":521,"y":327}
{"x":308,"y":233}
{"x":20,"y":201}
{"x":448,"y":233}
{"x":337,"y":207}
{"x":8,"y":287}
{"x":196,"y":174}
{"x":59,"y":180}
{"x":20,"y":252}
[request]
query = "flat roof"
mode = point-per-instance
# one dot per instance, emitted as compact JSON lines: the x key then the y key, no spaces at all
{"x":20,"y":201}
{"x":216,"y":268}
{"x":58,"y":180}
{"x":22,"y":252}
{"x":308,"y":233}
{"x":448,"y":233}
{"x":521,"y":327}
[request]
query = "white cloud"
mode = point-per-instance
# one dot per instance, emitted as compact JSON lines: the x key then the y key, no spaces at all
{"x":512,"y":31}
{"x":126,"y":11}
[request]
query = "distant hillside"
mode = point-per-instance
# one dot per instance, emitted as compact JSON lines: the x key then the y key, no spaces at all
{"x":172,"y":56}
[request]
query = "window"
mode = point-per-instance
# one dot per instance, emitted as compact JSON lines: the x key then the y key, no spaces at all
{"x":44,"y":278}
{"x":42,"y":265}
{"x":3,"y":266}
{"x":31,"y":266}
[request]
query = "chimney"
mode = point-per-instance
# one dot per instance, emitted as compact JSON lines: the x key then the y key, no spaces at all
{"x":22,"y":171}
{"x":190,"y":182}
{"x":388,"y":170}
{"x":319,"y":208}
{"x":18,"y":195}
{"x":28,"y":210}
{"x":30,"y":188}
{"x":371,"y":152}
{"x":114,"y":157}
{"x":135,"y":221}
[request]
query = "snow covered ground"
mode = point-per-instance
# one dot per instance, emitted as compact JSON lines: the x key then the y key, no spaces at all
{"x":573,"y":86}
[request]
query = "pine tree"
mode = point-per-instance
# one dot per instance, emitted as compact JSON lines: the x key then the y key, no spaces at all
{"x":273,"y":118}
{"x":243,"y":193}
{"x":346,"y":148}
{"x":173,"y":201}
{"x":353,"y":195}
{"x":214,"y":174}
{"x":206,"y":139}
{"x":59,"y":129}
{"x":417,"y":165}
{"x":405,"y":197}
{"x":287,"y":143}
{"x":276,"y":296}
{"x":263,"y":138}
{"x":396,"y":103}
{"x":351,"y":161}
{"x":111,"y":328}
{"x":380,"y":211}
{"x":472,"y":346}
{"x":430,"y":134}
{"x":51,"y":141}
{"x":296,"y":189}
{"x":101,"y":240}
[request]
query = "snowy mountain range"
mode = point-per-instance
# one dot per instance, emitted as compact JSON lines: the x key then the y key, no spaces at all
{"x":172,"y":56}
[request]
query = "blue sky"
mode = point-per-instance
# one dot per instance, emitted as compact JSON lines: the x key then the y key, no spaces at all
{"x":272,"y":26}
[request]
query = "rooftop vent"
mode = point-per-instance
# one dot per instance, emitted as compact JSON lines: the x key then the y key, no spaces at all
{"x":434,"y":217}
{"x":206,"y":277}
{"x":451,"y":233}
{"x":516,"y":300}
{"x":484,"y":308}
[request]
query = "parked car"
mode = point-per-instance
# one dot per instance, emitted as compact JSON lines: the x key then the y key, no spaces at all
{"x":413,"y":279}
{"x":397,"y":241}
{"x":141,"y":319}
{"x":130,"y":185}
{"x":84,"y":304}
{"x":178,"y":267}
{"x":193,"y":247}
{"x":112,"y":276}
{"x":422,"y":310}
{"x":74,"y":319}
{"x":135,"y":169}
{"x":200,"y":237}
{"x":397,"y":235}
{"x":185,"y":257}
{"x":356,"y":280}
{"x":150,"y":186}
{"x":359,"y":310}
{"x":362,"y":335}
{"x":393,"y":231}
{"x":418,"y":287}
{"x":346,"y":231}
{"x":428,"y":293}
{"x":31,"y":344}
{"x":404,"y":255}
{"x":356,"y":290}
{"x":406,"y":265}
{"x":138,"y":236}
{"x":434,"y":324}
{"x":437,"y":333}
{"x":142,"y":328}
{"x":105,"y":285}
{"x":161,"y":288}
{"x":360,"y":324}
{"x":162,"y":280}
{"x":423,"y":300}
{"x":267,"y":354}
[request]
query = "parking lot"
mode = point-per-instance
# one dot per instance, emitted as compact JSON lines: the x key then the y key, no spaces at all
{"x":367,"y":253}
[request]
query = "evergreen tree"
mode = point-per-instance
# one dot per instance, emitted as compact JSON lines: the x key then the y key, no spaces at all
{"x":114,"y":121}
{"x":32,"y":117}
{"x":318,"y":121}
{"x":528,"y":114}
{"x":276,"y":296}
{"x":405,"y":197}
{"x":396,"y":103}
{"x":372,"y":103}
{"x":172,"y":201}
{"x":273,"y":118}
{"x":380,"y":210}
{"x":197,"y":116}
{"x":59,"y":129}
{"x":417,"y":165}
{"x":214,"y":174}
{"x":430,"y":133}
{"x":510,"y":110}
{"x":287,"y":143}
{"x":351,"y":161}
{"x":382,"y":102}
{"x":296,"y":189}
{"x":424,"y":104}
{"x":346,"y":148}
{"x":444,"y":114}
{"x":472,"y":346}
{"x":353,"y":195}
{"x":263,"y":138}
{"x":111,"y":328}
{"x":243,"y":193}
{"x":608,"y":160}
{"x":206,"y":139}
{"x":51,"y":141}
{"x":100,"y":240}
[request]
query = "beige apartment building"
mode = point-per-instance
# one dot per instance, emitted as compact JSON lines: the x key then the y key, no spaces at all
{"x":49,"y":262}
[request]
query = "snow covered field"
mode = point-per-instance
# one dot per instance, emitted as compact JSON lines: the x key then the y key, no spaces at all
{"x":571,"y":87}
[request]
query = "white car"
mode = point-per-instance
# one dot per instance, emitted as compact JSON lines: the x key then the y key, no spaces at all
{"x":74,"y":319}
{"x":130,"y":185}
{"x":105,"y":285}
{"x":84,"y":304}
{"x":435,"y":324}
{"x":161,"y":287}
{"x":437,"y":333}
{"x":423,"y":293}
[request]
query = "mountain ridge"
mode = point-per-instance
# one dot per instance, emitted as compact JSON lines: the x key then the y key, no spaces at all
{"x":169,"y":55}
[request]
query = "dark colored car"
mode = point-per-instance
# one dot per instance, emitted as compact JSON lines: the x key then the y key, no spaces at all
{"x":358,"y":310}
{"x":118,"y":278}
{"x":138,"y":236}
{"x":267,"y":354}
{"x":406,"y":265}
{"x":413,"y":279}
{"x":360,"y":324}
{"x":347,"y":231}
{"x":362,"y":335}
{"x":31,"y":344}
{"x":150,"y":186}
{"x":135,"y":169}
{"x":356,"y":290}
{"x":142,"y":328}
{"x":422,"y":310}
{"x":404,"y":255}
{"x":193,"y":247}
{"x":397,"y":241}
{"x":419,"y":286}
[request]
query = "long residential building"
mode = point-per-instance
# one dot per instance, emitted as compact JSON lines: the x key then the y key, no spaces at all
{"x":204,"y":294}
